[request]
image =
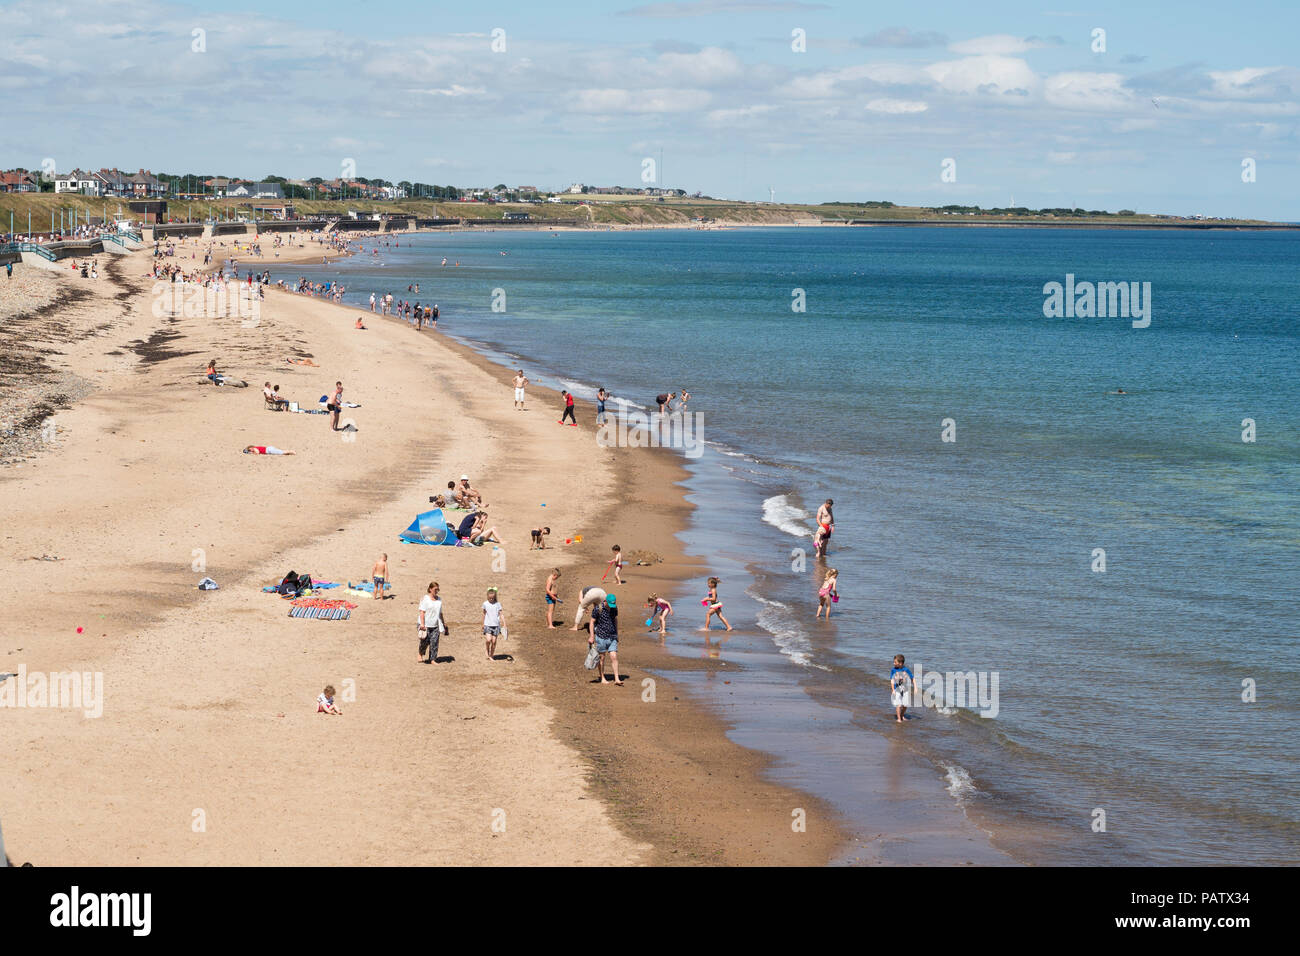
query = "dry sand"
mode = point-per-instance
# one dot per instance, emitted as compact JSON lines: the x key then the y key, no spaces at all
{"x":209,"y":750}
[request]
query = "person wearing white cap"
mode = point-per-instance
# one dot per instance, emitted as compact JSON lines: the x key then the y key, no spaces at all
{"x":470,"y":496}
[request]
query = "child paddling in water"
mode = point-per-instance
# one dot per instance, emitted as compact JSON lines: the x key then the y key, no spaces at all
{"x":713,"y":604}
{"x":828,"y":595}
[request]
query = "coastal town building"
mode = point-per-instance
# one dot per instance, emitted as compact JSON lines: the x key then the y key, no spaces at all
{"x":255,"y":191}
{"x":19,"y":181}
{"x":76,"y":181}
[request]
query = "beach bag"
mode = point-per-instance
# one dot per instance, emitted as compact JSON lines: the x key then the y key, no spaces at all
{"x":593,"y":658}
{"x":289,"y":584}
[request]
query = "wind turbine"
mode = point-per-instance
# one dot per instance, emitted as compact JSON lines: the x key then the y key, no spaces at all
{"x":771,"y":193}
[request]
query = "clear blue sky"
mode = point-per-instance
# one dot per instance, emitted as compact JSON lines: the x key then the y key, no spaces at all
{"x":1012,"y":91}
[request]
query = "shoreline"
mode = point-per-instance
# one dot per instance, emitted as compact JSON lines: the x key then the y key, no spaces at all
{"x":51,"y":810}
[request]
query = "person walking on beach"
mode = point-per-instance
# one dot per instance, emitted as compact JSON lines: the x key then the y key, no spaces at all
{"x":568,"y":409}
{"x":602,"y":397}
{"x":552,"y":597}
{"x":713,"y":604}
{"x":431,"y":625}
{"x":372,"y":302}
{"x":901,"y":687}
{"x":521,"y":382}
{"x":378,"y":575}
{"x":827,"y":595}
{"x":602,"y":633}
{"x":335,"y":405}
{"x":494,"y":619}
{"x":825,"y":525}
{"x":589,"y":597}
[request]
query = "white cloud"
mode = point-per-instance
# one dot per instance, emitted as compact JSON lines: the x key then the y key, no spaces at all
{"x":1088,"y":91}
{"x":732,"y":117}
{"x":454,"y":90}
{"x":897,"y":106}
{"x":998,"y":44}
{"x":988,"y":75}
{"x":641,"y":101}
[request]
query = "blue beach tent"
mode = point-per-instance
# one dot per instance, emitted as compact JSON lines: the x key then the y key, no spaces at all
{"x":429,"y":528}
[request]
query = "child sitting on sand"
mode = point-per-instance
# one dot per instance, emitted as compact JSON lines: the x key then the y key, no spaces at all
{"x":828,"y":594}
{"x":325,"y":702}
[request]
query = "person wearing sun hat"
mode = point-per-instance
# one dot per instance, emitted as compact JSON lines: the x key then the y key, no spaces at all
{"x":471,"y":496}
{"x":602,"y":633}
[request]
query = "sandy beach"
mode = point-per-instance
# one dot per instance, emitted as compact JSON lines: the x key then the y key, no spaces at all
{"x":208,"y":749}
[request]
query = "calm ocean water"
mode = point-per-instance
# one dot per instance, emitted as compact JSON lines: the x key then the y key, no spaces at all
{"x":1119,"y":691}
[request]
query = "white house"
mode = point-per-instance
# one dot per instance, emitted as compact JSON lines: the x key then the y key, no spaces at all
{"x":76,"y":182}
{"x":576,"y":188}
{"x":256,"y":191}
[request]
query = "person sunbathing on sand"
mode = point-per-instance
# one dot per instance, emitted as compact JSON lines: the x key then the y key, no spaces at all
{"x":265,"y":450}
{"x":480,"y":533}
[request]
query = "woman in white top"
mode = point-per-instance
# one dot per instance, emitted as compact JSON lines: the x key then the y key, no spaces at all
{"x":431,"y":624}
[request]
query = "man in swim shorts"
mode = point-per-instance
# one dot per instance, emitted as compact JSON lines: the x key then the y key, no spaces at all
{"x":520,"y":384}
{"x":379,"y":574}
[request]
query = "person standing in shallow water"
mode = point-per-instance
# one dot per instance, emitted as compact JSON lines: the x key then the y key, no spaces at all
{"x":825,"y":525}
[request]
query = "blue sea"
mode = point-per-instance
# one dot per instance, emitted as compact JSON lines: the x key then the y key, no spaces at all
{"x":1110,"y":531}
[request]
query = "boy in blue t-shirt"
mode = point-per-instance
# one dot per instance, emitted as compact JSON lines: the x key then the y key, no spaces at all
{"x":901,"y":686}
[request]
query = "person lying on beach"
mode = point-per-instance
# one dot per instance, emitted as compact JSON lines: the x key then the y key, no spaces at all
{"x":827,"y":595}
{"x":379,"y":574}
{"x":539,"y":539}
{"x":325,"y":702}
{"x":265,"y":450}
{"x":302,"y":361}
{"x":552,"y":597}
